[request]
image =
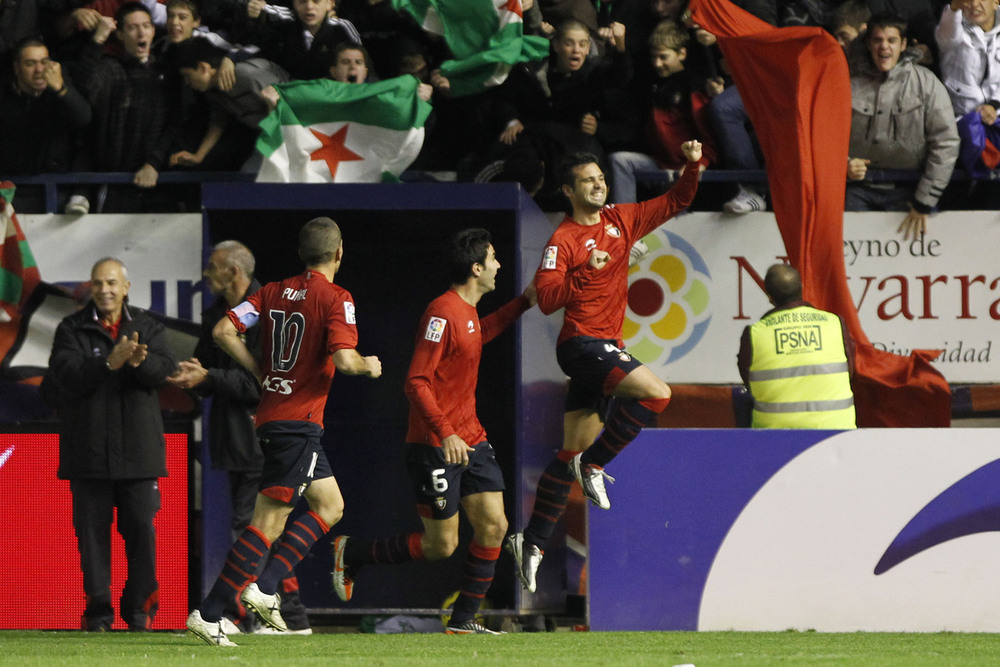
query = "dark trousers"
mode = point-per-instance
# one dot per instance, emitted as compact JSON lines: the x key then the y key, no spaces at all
{"x":865,"y":198}
{"x":243,"y":488}
{"x":137,"y":502}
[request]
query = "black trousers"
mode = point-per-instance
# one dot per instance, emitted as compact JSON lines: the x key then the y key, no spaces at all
{"x":243,"y":488}
{"x":137,"y":502}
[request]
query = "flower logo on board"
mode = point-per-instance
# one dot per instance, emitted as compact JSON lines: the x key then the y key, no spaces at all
{"x":668,"y":300}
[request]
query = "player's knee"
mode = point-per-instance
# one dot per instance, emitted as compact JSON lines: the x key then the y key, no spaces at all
{"x":437,"y":547}
{"x":492,"y":531}
{"x":272,"y":532}
{"x":330,"y":512}
{"x":269,"y":524}
{"x":659,"y":391}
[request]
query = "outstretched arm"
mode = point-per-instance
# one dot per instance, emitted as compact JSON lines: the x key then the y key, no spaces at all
{"x":497,"y":322}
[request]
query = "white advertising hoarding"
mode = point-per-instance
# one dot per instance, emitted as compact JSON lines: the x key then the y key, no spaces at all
{"x":161,"y":251}
{"x":690,"y":298}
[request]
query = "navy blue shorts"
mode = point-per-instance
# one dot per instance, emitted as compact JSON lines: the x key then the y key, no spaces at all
{"x":440,"y":486}
{"x":595,"y":366}
{"x":293,"y":458}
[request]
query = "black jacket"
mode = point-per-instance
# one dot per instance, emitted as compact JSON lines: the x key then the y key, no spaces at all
{"x":281,"y":42}
{"x":136,"y":109}
{"x":38,"y":132}
{"x":111,"y":427}
{"x":235,"y":393}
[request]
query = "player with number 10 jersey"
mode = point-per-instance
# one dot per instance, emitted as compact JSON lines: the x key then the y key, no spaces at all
{"x":304,"y":319}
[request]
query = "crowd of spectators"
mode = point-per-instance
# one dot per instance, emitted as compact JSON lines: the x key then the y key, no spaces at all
{"x":143,"y":87}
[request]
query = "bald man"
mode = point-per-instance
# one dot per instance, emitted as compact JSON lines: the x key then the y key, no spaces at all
{"x":797,"y":361}
{"x":108,"y":361}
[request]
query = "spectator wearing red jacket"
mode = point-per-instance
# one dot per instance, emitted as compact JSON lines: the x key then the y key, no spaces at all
{"x":674,"y":111}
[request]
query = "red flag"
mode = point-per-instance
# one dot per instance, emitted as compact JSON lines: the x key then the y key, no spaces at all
{"x":796,"y":89}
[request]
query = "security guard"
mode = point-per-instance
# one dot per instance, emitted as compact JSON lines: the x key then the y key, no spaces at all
{"x":797,"y":361}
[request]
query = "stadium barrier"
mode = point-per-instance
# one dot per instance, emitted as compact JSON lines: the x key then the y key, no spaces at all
{"x":887,"y":530}
{"x":54,"y":183}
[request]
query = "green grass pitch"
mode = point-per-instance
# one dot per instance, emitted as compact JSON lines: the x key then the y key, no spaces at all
{"x":555,"y":648}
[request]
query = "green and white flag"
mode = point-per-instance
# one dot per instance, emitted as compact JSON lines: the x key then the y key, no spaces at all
{"x":325,"y":131}
{"x":485,"y":36}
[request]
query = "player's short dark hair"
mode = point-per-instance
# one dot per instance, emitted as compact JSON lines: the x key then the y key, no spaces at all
{"x":191,"y":52}
{"x":130,"y":8}
{"x":190,"y":5}
{"x":885,"y":20}
{"x":319,"y":240}
{"x":783,"y":284}
{"x":571,"y":162}
{"x":467,"y":247}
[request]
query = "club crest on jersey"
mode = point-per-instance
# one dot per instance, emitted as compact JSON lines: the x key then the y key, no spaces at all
{"x":435,"y":329}
{"x":612,"y":230}
{"x":624,"y":356}
{"x":349,"y":312}
{"x":440,"y":502}
{"x":549,"y":257}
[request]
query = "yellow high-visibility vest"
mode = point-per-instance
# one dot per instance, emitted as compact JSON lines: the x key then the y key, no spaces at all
{"x":798,"y":372}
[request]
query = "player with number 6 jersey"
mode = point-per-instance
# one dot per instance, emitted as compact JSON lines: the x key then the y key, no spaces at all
{"x":449,"y":459}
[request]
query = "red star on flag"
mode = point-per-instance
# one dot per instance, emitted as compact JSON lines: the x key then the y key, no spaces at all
{"x":333,"y":151}
{"x":514,"y":7}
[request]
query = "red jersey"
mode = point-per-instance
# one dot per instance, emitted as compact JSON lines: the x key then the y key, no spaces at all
{"x":595,"y":299}
{"x":441,"y":382}
{"x":304,"y":320}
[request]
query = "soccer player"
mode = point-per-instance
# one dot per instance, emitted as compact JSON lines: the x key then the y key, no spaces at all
{"x":450,"y":461}
{"x":308,"y":331}
{"x":585,"y":270}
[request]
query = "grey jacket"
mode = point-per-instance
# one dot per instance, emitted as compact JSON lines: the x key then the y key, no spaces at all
{"x":243,"y":102}
{"x":904,"y":120}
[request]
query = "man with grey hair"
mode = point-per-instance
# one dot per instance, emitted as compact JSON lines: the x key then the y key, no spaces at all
{"x":797,"y":361}
{"x":108,"y":361}
{"x":235,"y":391}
